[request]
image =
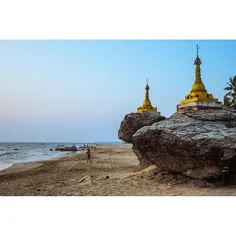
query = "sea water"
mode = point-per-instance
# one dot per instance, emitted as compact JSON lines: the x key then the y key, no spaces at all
{"x":11,"y":153}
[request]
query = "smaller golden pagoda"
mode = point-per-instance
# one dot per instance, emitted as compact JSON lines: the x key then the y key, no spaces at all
{"x":198,"y":98}
{"x":147,"y":106}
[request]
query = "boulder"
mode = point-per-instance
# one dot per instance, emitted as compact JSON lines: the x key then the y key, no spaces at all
{"x":72,"y":148}
{"x":196,"y":146}
{"x":134,"y":121}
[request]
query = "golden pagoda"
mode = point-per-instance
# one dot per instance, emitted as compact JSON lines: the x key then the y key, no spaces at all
{"x":147,"y":106}
{"x":198,"y":98}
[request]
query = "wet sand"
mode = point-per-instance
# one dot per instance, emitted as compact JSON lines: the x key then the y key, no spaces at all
{"x":113,"y":172}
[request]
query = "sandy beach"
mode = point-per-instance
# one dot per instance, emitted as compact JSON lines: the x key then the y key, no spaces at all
{"x":113,"y":172}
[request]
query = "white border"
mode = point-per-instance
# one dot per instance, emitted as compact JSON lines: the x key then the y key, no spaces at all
{"x":113,"y":19}
{"x":123,"y":19}
{"x":116,"y":216}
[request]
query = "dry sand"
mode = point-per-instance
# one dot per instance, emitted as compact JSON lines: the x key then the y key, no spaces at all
{"x":113,"y":172}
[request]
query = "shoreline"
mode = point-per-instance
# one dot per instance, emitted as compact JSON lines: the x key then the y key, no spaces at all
{"x":6,"y":165}
{"x":6,"y":168}
{"x":20,"y":152}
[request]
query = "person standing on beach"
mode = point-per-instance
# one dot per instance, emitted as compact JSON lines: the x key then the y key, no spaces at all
{"x":88,"y":156}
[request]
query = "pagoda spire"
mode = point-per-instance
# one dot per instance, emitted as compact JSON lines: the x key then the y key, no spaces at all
{"x":147,"y":100}
{"x":198,"y":98}
{"x":147,"y":106}
{"x":198,"y":86}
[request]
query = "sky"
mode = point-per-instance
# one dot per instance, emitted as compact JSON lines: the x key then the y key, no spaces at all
{"x":80,"y":90}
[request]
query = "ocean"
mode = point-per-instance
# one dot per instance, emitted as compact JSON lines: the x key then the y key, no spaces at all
{"x":11,"y":153}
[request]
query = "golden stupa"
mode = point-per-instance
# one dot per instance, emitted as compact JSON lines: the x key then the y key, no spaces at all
{"x":198,"y":98}
{"x":147,"y":106}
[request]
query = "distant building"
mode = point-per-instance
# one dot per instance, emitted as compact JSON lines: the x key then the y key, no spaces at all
{"x":198,"y":98}
{"x":147,"y":106}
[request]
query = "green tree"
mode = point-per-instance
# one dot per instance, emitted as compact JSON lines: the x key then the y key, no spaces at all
{"x":230,"y":97}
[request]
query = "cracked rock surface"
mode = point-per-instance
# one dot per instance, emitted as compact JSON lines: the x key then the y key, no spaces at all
{"x":195,"y":146}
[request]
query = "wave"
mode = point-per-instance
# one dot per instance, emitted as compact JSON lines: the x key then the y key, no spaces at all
{"x":8,"y":153}
{"x":21,"y":152}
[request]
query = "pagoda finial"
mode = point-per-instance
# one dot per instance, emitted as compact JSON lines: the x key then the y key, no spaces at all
{"x":147,"y":88}
{"x":197,"y":49}
{"x":197,"y":60}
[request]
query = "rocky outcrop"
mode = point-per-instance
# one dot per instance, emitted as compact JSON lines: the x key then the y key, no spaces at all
{"x":143,"y":162}
{"x":134,"y":121}
{"x":64,"y":149}
{"x":196,"y":146}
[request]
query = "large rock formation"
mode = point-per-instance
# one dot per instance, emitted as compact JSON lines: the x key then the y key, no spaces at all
{"x":66,"y":149}
{"x":196,"y":146}
{"x":134,"y":121}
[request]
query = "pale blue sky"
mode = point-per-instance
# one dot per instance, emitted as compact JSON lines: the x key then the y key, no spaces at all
{"x":75,"y":91}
